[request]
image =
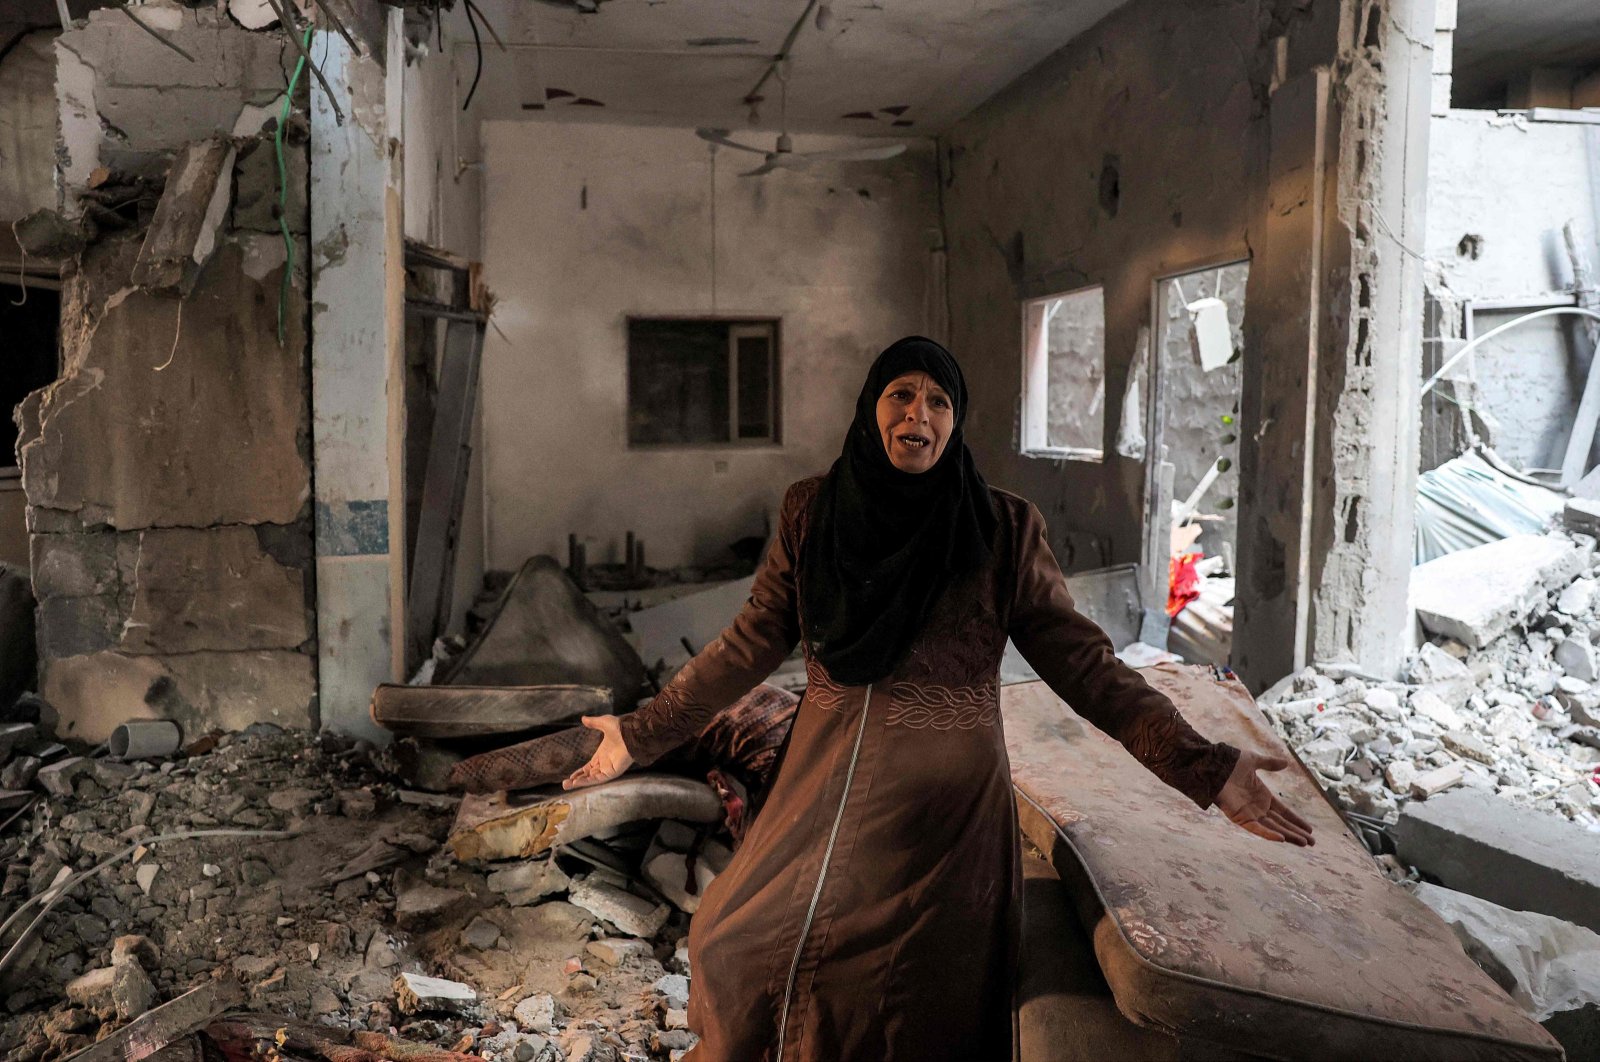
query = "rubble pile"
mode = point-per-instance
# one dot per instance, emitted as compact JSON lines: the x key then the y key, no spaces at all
{"x":320,"y":895}
{"x":1518,"y":716}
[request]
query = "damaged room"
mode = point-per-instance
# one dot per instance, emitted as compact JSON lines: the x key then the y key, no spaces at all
{"x":799,"y":530}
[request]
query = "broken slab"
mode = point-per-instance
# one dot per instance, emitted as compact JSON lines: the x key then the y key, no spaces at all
{"x":1475,"y":595}
{"x":633,"y":915}
{"x":1438,"y":780}
{"x":1549,"y":966}
{"x":1582,"y":515}
{"x":419,"y":994}
{"x":183,"y":232}
{"x":473,"y":711}
{"x":498,"y":826}
{"x":529,"y":882}
{"x":1529,"y":860}
{"x":543,"y":632}
{"x":660,"y":631}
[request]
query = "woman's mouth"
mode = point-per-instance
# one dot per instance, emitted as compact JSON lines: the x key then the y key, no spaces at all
{"x":914,"y":441}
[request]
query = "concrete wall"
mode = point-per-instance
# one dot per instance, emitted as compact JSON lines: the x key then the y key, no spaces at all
{"x":1062,"y":181}
{"x":28,"y":127}
{"x":1500,"y":189}
{"x":166,"y":471}
{"x":585,"y":225}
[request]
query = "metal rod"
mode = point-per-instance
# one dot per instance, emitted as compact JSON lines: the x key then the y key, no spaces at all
{"x":293,"y":30}
{"x":333,"y":19}
{"x":142,"y":24}
{"x":64,"y":14}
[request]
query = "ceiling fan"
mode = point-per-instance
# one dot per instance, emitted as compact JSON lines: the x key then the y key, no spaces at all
{"x":785,"y":157}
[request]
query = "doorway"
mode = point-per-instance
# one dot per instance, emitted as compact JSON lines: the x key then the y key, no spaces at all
{"x":1192,"y":515}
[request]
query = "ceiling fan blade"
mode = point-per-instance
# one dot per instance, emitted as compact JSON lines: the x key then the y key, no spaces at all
{"x":765,"y":168}
{"x":721,"y":138}
{"x":862,"y":154}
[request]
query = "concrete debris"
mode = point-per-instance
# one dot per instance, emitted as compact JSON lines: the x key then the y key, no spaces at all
{"x":1475,"y":595}
{"x":537,"y":1012}
{"x":614,"y":951}
{"x":634,"y":915}
{"x":418,"y":994}
{"x":1469,"y":841}
{"x":1582,"y":516}
{"x":675,"y":987}
{"x":529,"y":882}
{"x":1511,"y":717}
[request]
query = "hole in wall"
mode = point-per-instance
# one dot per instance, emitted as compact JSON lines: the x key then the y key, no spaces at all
{"x":1470,"y":246}
{"x":1110,"y":186}
{"x":1352,"y":519}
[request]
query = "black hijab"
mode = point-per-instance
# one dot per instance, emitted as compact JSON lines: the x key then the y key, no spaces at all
{"x":884,"y":543}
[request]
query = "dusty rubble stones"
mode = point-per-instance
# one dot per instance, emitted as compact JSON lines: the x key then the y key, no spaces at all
{"x":1516,"y":718}
{"x":272,"y":917}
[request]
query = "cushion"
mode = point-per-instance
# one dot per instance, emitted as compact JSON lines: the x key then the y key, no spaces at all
{"x":1204,"y":930}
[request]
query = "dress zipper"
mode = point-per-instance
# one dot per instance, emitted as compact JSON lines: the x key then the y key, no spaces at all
{"x":822,"y":876}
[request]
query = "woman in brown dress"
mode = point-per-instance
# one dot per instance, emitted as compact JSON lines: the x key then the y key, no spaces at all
{"x":872,"y":911}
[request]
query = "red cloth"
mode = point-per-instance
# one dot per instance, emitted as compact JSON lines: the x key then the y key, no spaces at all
{"x":1183,"y":582}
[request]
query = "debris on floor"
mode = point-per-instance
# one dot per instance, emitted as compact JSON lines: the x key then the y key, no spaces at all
{"x":1505,"y":699}
{"x":303,"y":903}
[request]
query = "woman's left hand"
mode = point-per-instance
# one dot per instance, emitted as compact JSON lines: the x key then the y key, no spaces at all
{"x":1246,"y":800}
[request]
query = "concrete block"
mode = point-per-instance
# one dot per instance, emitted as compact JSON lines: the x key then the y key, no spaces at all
{"x":614,"y":951}
{"x":1474,"y":842}
{"x":634,"y":915}
{"x":58,"y":777}
{"x":1582,"y":515}
{"x":1426,"y":785}
{"x":529,"y":882}
{"x":1475,"y":595}
{"x":1577,"y":658}
{"x":418,"y":994}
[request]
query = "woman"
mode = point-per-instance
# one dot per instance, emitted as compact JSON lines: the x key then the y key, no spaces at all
{"x":871,"y":912}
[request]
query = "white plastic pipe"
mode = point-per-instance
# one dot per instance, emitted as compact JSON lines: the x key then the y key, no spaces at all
{"x":144,"y":739}
{"x":1468,"y":348}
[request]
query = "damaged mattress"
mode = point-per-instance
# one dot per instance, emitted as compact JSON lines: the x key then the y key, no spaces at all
{"x":1206,"y":931}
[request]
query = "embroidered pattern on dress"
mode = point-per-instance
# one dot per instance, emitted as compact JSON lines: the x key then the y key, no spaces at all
{"x":919,"y":706}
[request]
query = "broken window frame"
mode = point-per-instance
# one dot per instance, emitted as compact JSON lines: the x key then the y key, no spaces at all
{"x":1034,"y":426}
{"x":740,"y":327}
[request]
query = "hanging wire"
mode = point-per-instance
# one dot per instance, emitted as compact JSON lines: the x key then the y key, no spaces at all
{"x":477,"y":44}
{"x":283,"y":185}
{"x":22,"y":267}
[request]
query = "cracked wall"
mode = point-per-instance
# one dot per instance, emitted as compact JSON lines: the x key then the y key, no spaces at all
{"x":167,"y":471}
{"x":1135,"y":152}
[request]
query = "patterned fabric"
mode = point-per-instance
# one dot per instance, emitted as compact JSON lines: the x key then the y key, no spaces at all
{"x":1207,"y":932}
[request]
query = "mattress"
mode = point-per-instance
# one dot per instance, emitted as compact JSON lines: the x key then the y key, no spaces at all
{"x":1205,"y":931}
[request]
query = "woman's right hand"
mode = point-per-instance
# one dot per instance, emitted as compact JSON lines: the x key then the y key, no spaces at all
{"x":609,"y":760}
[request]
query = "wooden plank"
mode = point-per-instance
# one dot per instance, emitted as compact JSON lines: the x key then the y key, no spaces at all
{"x":473,"y":711}
{"x":186,"y":219}
{"x":168,"y":1023}
{"x":444,"y":488}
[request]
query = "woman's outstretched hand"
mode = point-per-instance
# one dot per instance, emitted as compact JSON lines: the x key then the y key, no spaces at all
{"x":1246,"y":800}
{"x":608,"y":761}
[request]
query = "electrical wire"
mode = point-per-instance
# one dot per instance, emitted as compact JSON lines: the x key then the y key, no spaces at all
{"x":1553,"y":311}
{"x":477,"y":44}
{"x":283,"y":187}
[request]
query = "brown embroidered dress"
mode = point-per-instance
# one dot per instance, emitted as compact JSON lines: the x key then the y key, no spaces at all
{"x":872,"y":911}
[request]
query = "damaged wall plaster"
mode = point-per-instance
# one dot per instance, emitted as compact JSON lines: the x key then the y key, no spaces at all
{"x":1026,"y":218}
{"x":1362,"y":523}
{"x":356,"y":324}
{"x":28,"y":128}
{"x":587,"y":224}
{"x":167,"y":470}
{"x":126,"y":101}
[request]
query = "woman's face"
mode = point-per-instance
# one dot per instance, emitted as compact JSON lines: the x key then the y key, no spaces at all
{"x":915,"y":419}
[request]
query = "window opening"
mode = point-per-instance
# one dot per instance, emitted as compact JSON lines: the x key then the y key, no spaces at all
{"x":698,"y":382}
{"x":1064,"y":376}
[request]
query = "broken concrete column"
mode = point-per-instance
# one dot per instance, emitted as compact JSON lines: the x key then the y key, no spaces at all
{"x":1529,"y":860}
